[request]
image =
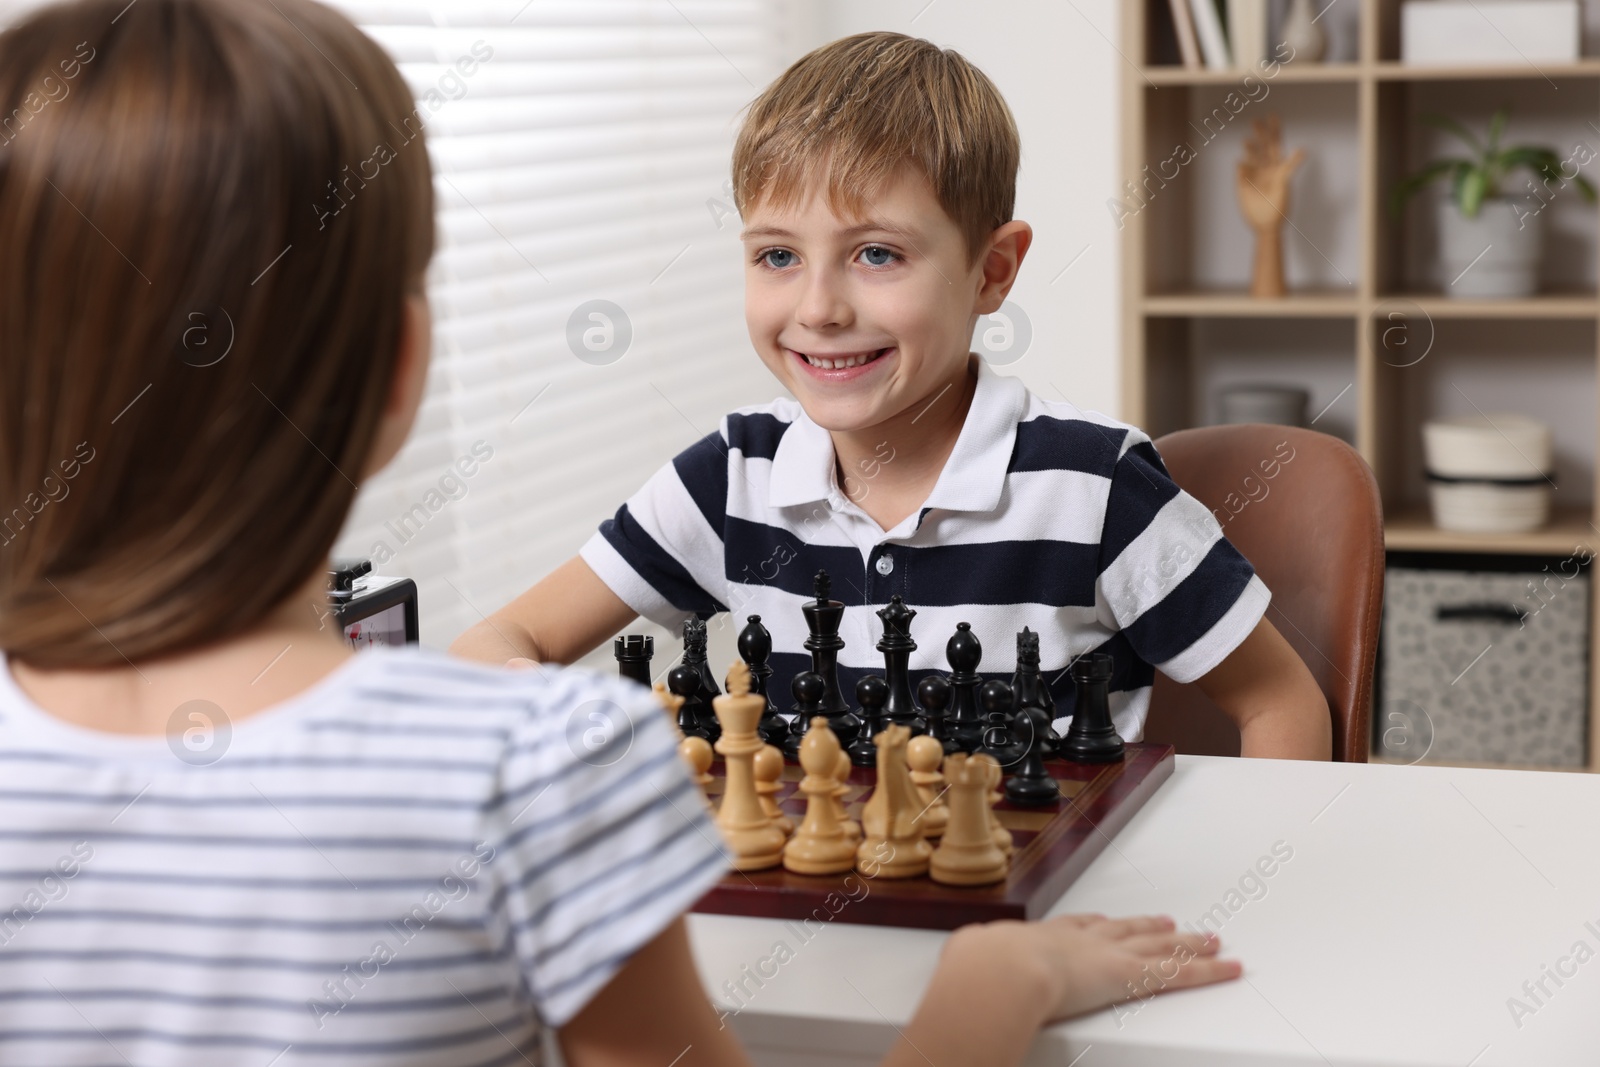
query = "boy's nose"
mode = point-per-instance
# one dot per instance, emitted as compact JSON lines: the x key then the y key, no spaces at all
{"x":823,"y":303}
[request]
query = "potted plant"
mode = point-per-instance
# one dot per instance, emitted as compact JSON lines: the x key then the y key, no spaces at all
{"x":1490,"y":239}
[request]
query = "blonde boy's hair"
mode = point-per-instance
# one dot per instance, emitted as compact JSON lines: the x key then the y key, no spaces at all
{"x":852,"y":112}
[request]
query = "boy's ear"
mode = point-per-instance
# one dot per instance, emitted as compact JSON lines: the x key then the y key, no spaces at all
{"x":1003,"y":258}
{"x":405,"y":391}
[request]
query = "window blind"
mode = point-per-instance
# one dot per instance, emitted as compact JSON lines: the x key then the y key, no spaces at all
{"x":581,"y":152}
{"x":584,"y":160}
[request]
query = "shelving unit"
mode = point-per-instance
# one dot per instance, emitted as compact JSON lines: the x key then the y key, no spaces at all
{"x":1359,"y":283}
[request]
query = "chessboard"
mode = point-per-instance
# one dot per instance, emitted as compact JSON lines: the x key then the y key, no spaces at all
{"x":1053,"y":846}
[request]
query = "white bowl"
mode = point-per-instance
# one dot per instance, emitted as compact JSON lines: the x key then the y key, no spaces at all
{"x":1480,"y":507}
{"x":1497,"y":445}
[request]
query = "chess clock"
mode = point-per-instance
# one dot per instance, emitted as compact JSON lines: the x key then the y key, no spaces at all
{"x":373,"y":610}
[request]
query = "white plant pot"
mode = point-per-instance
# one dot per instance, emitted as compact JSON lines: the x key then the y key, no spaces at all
{"x":1495,"y":255}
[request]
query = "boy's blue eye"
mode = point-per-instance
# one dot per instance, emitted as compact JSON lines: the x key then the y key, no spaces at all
{"x":877,"y":256}
{"x":778,"y":258}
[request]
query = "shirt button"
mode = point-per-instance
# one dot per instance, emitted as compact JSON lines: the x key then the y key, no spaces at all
{"x":885,"y":563}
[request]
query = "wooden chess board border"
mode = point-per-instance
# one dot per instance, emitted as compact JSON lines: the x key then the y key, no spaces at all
{"x":1041,"y":869}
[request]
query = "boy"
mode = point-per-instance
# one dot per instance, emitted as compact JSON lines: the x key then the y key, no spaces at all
{"x":227,"y":838}
{"x":876,"y":179}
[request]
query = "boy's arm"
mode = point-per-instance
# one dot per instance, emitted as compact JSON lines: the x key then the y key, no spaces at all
{"x":995,"y":985}
{"x":1266,"y":689}
{"x":562,"y":618}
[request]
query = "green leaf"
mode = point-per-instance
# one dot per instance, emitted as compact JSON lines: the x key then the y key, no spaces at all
{"x":1450,"y":125}
{"x":1497,"y":126}
{"x":1472,"y":193}
{"x":1421,"y":180}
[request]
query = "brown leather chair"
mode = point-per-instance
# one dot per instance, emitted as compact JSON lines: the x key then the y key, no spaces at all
{"x":1304,"y":509}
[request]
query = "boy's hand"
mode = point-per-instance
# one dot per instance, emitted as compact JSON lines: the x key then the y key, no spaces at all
{"x":522,"y":663}
{"x":997,"y":983}
{"x":1086,"y":962}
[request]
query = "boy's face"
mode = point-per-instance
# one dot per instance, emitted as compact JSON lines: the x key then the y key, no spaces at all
{"x":861,"y":319}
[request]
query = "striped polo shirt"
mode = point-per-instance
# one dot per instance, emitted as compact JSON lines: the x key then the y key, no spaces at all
{"x":1045,"y":516}
{"x":417,"y":860}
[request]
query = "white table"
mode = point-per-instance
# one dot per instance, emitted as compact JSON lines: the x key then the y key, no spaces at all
{"x":1417,"y":902}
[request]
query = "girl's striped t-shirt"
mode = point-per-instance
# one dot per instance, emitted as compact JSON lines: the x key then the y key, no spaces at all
{"x":417,"y":860}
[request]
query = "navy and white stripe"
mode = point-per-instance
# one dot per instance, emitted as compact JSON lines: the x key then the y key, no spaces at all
{"x":1045,"y":516}
{"x":359,"y":879}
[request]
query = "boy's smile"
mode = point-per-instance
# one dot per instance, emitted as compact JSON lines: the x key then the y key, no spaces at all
{"x":862,"y":319}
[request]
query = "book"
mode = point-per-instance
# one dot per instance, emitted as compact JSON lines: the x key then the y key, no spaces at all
{"x":1208,"y":27}
{"x":1247,"y":30}
{"x":1187,"y":44}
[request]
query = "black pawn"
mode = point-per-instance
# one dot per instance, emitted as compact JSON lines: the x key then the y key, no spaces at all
{"x":873,"y":693}
{"x":897,"y":646}
{"x":965,"y":720}
{"x":633,"y":652}
{"x":684,"y":681}
{"x":998,"y":739}
{"x":1030,"y":785}
{"x":823,"y":616}
{"x":1032,"y":692}
{"x":1092,"y":738}
{"x":808,"y":688}
{"x":933,"y":693}
{"x":755,"y":647}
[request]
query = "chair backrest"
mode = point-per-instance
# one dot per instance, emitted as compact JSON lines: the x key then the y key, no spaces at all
{"x":1304,"y":509}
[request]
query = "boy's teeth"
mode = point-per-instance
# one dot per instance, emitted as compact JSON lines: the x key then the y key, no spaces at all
{"x":842,"y":362}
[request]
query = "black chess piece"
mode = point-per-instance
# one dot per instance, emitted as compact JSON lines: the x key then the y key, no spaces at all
{"x":873,"y":694}
{"x":1031,"y":691}
{"x":694,"y":657}
{"x":1092,"y":738}
{"x":808,"y":688}
{"x":684,"y":681}
{"x":933,"y":693}
{"x":897,"y":646}
{"x":965,"y":720}
{"x":694,"y":654}
{"x":1030,"y":785}
{"x":633,"y":652}
{"x":755,"y":647}
{"x":999,"y":738}
{"x":823,"y":616}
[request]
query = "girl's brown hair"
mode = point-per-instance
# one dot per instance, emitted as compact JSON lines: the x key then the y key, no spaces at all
{"x":211,"y":212}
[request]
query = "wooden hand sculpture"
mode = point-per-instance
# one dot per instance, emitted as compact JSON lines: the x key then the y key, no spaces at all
{"x":1263,"y":187}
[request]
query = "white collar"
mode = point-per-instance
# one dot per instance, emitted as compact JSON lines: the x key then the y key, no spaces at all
{"x":972,"y":479}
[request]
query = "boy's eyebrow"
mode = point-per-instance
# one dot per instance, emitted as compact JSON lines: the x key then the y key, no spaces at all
{"x":850,"y":231}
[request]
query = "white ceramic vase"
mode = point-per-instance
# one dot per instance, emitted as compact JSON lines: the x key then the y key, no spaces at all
{"x":1493,"y":256}
{"x":1302,"y":33}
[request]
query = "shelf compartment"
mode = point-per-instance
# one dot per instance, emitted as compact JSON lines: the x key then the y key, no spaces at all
{"x":1323,"y":303}
{"x":1582,"y":306}
{"x":1396,"y":71}
{"x":1292,"y":72}
{"x":1412,"y":529}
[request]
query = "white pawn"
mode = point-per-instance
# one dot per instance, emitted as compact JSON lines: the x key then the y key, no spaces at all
{"x":967,"y":854}
{"x":841,"y":773}
{"x":924,"y":755}
{"x":769,"y":769}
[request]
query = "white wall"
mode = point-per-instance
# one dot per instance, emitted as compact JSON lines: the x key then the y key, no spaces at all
{"x":1059,"y":69}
